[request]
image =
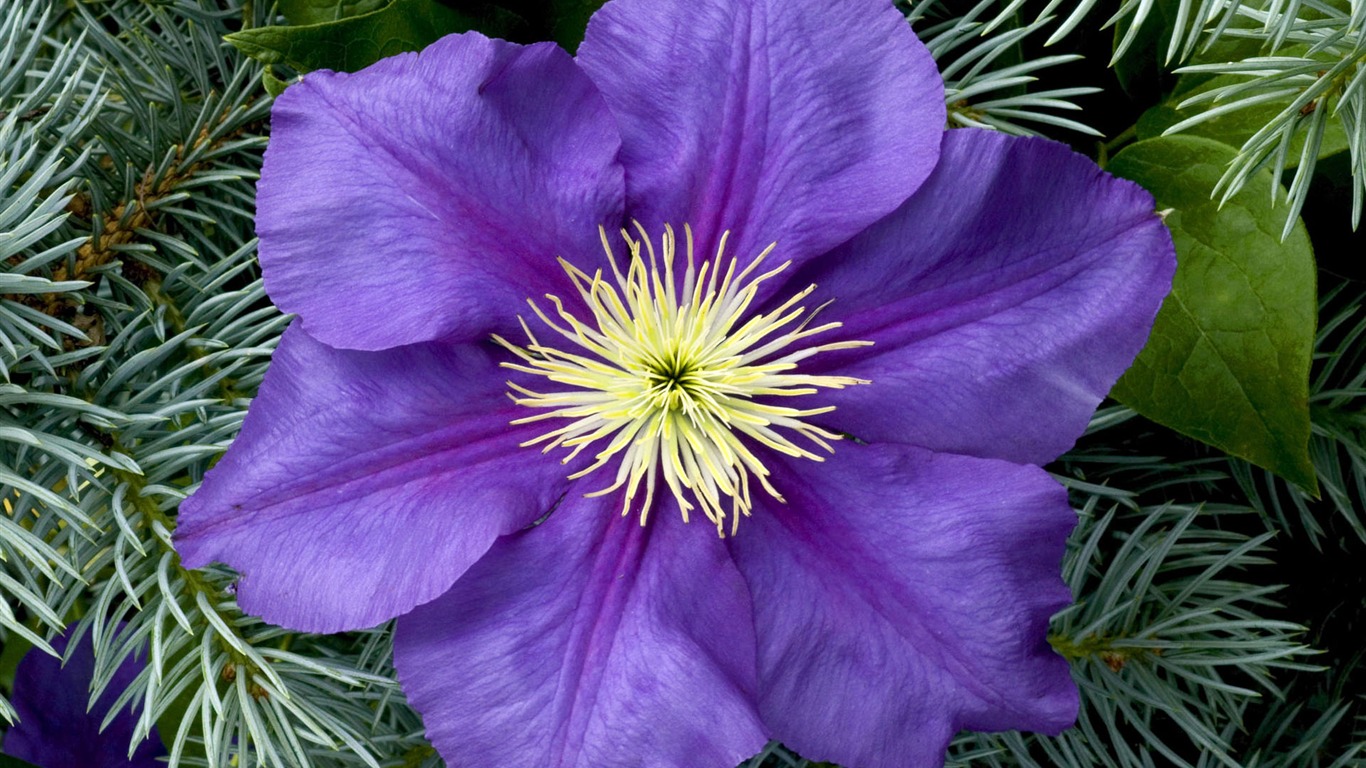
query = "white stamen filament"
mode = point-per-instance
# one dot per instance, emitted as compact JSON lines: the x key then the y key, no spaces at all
{"x":666,"y":376}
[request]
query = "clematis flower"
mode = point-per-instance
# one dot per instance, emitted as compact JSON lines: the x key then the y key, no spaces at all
{"x":58,"y":727}
{"x":683,"y":395}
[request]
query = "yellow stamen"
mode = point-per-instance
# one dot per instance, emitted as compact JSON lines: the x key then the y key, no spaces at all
{"x":666,"y":374}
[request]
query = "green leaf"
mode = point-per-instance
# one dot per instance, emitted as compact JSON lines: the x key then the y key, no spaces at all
{"x":1238,"y":126}
{"x":1145,"y":65}
{"x":274,"y":85}
{"x":1228,"y":359}
{"x":306,"y":12}
{"x":358,"y":41}
{"x":1138,"y":54}
{"x":569,"y":19}
{"x":13,"y":762}
{"x":11,"y":653}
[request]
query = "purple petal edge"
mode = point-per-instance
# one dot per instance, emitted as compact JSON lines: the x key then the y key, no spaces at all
{"x":364,"y":483}
{"x":902,"y":595}
{"x":1004,"y":300}
{"x":427,"y":196}
{"x":589,"y":642}
{"x":779,"y":120}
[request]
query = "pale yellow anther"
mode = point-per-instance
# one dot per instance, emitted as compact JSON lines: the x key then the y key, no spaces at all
{"x":666,"y":373}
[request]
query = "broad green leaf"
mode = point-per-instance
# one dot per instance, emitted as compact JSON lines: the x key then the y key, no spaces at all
{"x":1228,"y":359}
{"x":306,"y":12}
{"x":11,"y":652}
{"x":1139,"y":66}
{"x":274,"y":85}
{"x":1147,"y":63}
{"x":569,"y":19}
{"x":358,"y":41}
{"x":1234,"y":128}
{"x":13,"y":762}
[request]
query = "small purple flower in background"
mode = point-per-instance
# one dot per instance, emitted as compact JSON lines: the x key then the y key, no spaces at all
{"x":57,"y":727}
{"x":788,"y":308}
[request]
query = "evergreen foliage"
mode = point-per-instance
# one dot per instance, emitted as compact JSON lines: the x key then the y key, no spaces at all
{"x":1218,"y":606}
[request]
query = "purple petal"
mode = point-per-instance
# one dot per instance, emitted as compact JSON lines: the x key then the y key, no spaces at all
{"x":900,"y":595}
{"x":1004,"y":299}
{"x":427,"y":195}
{"x":57,"y":728}
{"x":589,"y":642}
{"x":365,"y":483}
{"x":796,"y":121}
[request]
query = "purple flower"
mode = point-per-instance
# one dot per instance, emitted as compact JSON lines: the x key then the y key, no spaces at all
{"x":58,"y":727}
{"x":859,"y":412}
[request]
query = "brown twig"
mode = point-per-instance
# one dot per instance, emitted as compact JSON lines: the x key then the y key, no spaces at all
{"x":119,"y":228}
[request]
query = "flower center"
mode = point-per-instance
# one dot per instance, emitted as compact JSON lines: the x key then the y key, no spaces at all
{"x":674,"y":379}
